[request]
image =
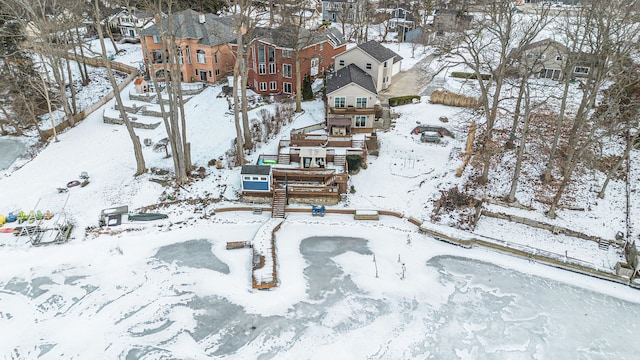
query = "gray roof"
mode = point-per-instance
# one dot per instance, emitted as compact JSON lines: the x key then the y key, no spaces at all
{"x":348,"y":75}
{"x":284,"y":36}
{"x":256,"y":169}
{"x":379,"y":52}
{"x":215,"y":30}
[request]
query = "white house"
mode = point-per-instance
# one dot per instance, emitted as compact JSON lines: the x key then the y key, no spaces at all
{"x":130,"y":21}
{"x":376,"y":60}
{"x":351,"y":100}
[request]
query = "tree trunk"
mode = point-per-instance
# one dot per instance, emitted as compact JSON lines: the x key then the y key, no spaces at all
{"x":248,"y":143}
{"x":10,"y":120}
{"x":74,"y":107}
{"x":298,"y":82}
{"x":521,"y":149}
{"x":82,"y":65}
{"x":631,"y":140}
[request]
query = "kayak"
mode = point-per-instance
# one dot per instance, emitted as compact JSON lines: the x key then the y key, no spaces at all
{"x":147,"y":217}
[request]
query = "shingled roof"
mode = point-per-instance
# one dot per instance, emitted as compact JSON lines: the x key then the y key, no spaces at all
{"x":348,"y":75}
{"x":213,"y":31}
{"x":284,"y":36}
{"x":379,"y":52}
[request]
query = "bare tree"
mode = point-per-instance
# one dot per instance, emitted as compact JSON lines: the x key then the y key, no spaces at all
{"x":485,"y":51}
{"x":174,"y":119}
{"x":609,"y":31}
{"x":135,"y":140}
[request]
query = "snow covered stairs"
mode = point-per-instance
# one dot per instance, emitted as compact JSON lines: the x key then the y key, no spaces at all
{"x":604,"y":244}
{"x":340,"y":160}
{"x":279,"y":202}
{"x":284,"y":159}
{"x":264,"y":266}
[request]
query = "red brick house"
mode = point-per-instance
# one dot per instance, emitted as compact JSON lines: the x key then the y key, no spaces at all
{"x":203,"y":41}
{"x":272,"y":68}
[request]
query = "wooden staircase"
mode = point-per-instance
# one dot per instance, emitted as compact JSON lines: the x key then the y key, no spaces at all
{"x":279,"y":202}
{"x":284,"y":159}
{"x":340,"y":160}
{"x":358,"y":144}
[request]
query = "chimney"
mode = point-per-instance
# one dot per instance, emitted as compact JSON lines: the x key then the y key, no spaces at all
{"x":201,"y":18}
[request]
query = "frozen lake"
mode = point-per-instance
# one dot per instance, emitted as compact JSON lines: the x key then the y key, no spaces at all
{"x":10,"y":150}
{"x":162,"y":310}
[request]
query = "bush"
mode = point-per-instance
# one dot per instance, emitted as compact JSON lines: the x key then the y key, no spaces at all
{"x":466,"y":75}
{"x":354,"y":162}
{"x":402,"y":100}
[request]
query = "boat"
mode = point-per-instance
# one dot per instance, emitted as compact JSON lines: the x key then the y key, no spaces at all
{"x":147,"y":217}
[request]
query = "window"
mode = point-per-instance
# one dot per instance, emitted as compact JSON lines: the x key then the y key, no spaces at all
{"x":286,"y":53}
{"x":581,"y":70}
{"x":262,"y":69}
{"x":542,"y":57}
{"x":368,"y":66}
{"x":263,"y":86}
{"x":210,"y":73}
{"x":188,"y":51}
{"x":340,"y":102}
{"x":217,"y":72}
{"x":273,"y":85}
{"x":385,"y":64}
{"x":559,"y":58}
{"x":263,"y":178}
{"x":272,"y":68}
{"x":156,"y":39}
{"x":286,"y":70}
{"x":202,"y":57}
{"x":321,"y":46}
{"x":157,"y":56}
{"x":341,"y":62}
{"x":361,"y":121}
{"x":180,"y":55}
{"x":531,"y":56}
{"x":287,"y":88}
{"x":272,"y":54}
{"x":215,"y":58}
{"x":196,"y":71}
{"x":361,"y":102}
{"x":203,"y":75}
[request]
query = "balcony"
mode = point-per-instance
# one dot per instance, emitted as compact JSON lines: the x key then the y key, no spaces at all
{"x":352,"y":110}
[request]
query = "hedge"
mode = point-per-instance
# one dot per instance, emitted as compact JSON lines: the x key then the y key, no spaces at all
{"x":402,"y":100}
{"x":466,"y":75}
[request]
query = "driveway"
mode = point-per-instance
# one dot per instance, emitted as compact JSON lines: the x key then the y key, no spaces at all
{"x":409,"y":82}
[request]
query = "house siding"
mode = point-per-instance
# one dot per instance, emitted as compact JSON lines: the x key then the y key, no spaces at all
{"x":350,"y":93}
{"x":324,"y":53}
{"x":550,"y":61}
{"x":360,"y":58}
{"x":224,"y":64}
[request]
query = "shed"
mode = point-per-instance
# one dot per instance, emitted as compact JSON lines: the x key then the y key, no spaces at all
{"x":141,"y":85}
{"x":256,"y":178}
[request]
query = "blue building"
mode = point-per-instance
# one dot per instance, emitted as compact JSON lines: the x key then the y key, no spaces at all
{"x":256,"y":178}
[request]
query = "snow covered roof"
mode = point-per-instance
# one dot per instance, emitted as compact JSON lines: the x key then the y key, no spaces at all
{"x":211,"y":29}
{"x":256,"y":169}
{"x":378,"y":51}
{"x":348,"y":75}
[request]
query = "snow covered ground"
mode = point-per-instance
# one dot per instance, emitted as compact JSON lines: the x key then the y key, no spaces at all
{"x":169,"y":289}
